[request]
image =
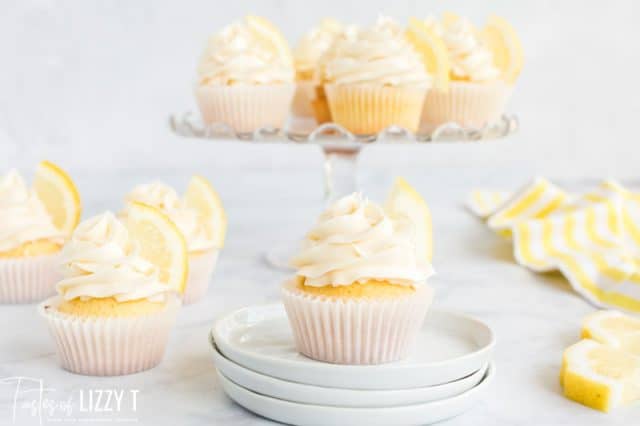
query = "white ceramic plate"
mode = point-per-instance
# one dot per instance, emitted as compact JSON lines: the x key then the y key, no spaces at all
{"x":319,"y":395}
{"x":450,"y":346}
{"x":325,"y":415}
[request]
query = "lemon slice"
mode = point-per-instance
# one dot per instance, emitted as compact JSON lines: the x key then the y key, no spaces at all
{"x":600,"y":376}
{"x":406,"y":201}
{"x":59,"y":195}
{"x":502,"y":39}
{"x":613,"y":328}
{"x":161,"y":243}
{"x":449,"y":18}
{"x":204,"y":199}
{"x":272,"y":35}
{"x":433,"y":51}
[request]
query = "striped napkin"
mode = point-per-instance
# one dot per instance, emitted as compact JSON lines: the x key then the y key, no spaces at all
{"x":593,"y":239}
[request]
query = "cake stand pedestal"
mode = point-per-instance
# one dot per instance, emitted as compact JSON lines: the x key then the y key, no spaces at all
{"x":340,"y":148}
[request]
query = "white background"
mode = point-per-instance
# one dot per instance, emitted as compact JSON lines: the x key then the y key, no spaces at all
{"x":90,"y":84}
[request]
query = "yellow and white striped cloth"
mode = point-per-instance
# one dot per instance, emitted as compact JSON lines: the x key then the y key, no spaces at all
{"x":593,"y":238}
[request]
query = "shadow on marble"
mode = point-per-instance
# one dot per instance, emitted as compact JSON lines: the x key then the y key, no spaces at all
{"x":548,"y":378}
{"x":557,"y":280}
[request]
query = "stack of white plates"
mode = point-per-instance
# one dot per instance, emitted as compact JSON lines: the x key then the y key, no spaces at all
{"x":259,"y":368}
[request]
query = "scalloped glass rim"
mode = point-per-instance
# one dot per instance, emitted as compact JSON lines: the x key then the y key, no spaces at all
{"x":191,"y":125}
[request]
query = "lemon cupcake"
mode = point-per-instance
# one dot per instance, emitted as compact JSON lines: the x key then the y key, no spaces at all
{"x":482,"y":67}
{"x":246,"y":77}
{"x":306,"y":55}
{"x":116,"y":303}
{"x":375,"y":78}
{"x":360,"y":293}
{"x":200,"y":217}
{"x":34,"y":224}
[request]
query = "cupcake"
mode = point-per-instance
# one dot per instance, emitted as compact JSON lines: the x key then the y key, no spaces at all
{"x":116,"y":302}
{"x":34,"y":224}
{"x":246,"y":77}
{"x":360,"y":293}
{"x":483,"y":66}
{"x":374,"y":78}
{"x":199,"y":216}
{"x":306,"y":55}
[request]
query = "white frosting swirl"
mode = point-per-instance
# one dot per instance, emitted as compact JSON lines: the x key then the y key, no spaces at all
{"x":377,"y":55}
{"x":319,"y":74}
{"x":157,"y":194}
{"x":102,"y":261}
{"x":23,"y":217}
{"x":314,"y":44}
{"x":238,"y":55}
{"x":470,"y":58}
{"x":355,"y":241}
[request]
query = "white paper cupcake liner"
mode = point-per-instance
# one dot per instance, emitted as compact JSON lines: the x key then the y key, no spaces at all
{"x":201,"y":267}
{"x":28,"y":279}
{"x":246,"y":108}
{"x":355,"y":331}
{"x":369,"y":109}
{"x":467,"y":104}
{"x":99,"y":346}
{"x":305,"y":94}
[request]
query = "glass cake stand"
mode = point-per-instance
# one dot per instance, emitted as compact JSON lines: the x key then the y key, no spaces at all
{"x":340,"y":147}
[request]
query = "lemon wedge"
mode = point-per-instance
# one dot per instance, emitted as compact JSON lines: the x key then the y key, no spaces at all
{"x":264,"y":29}
{"x":613,"y":328}
{"x":600,"y":376}
{"x":404,"y":200}
{"x":59,"y":195}
{"x":502,"y":39}
{"x":449,"y":18}
{"x":201,"y":196}
{"x":160,"y":242}
{"x":433,"y":51}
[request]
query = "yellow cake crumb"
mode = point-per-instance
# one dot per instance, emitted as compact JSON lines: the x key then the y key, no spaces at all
{"x":33,"y":248}
{"x":369,"y":289}
{"x":109,"y":307}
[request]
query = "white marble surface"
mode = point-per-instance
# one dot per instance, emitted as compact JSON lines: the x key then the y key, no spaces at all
{"x":535,"y":316}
